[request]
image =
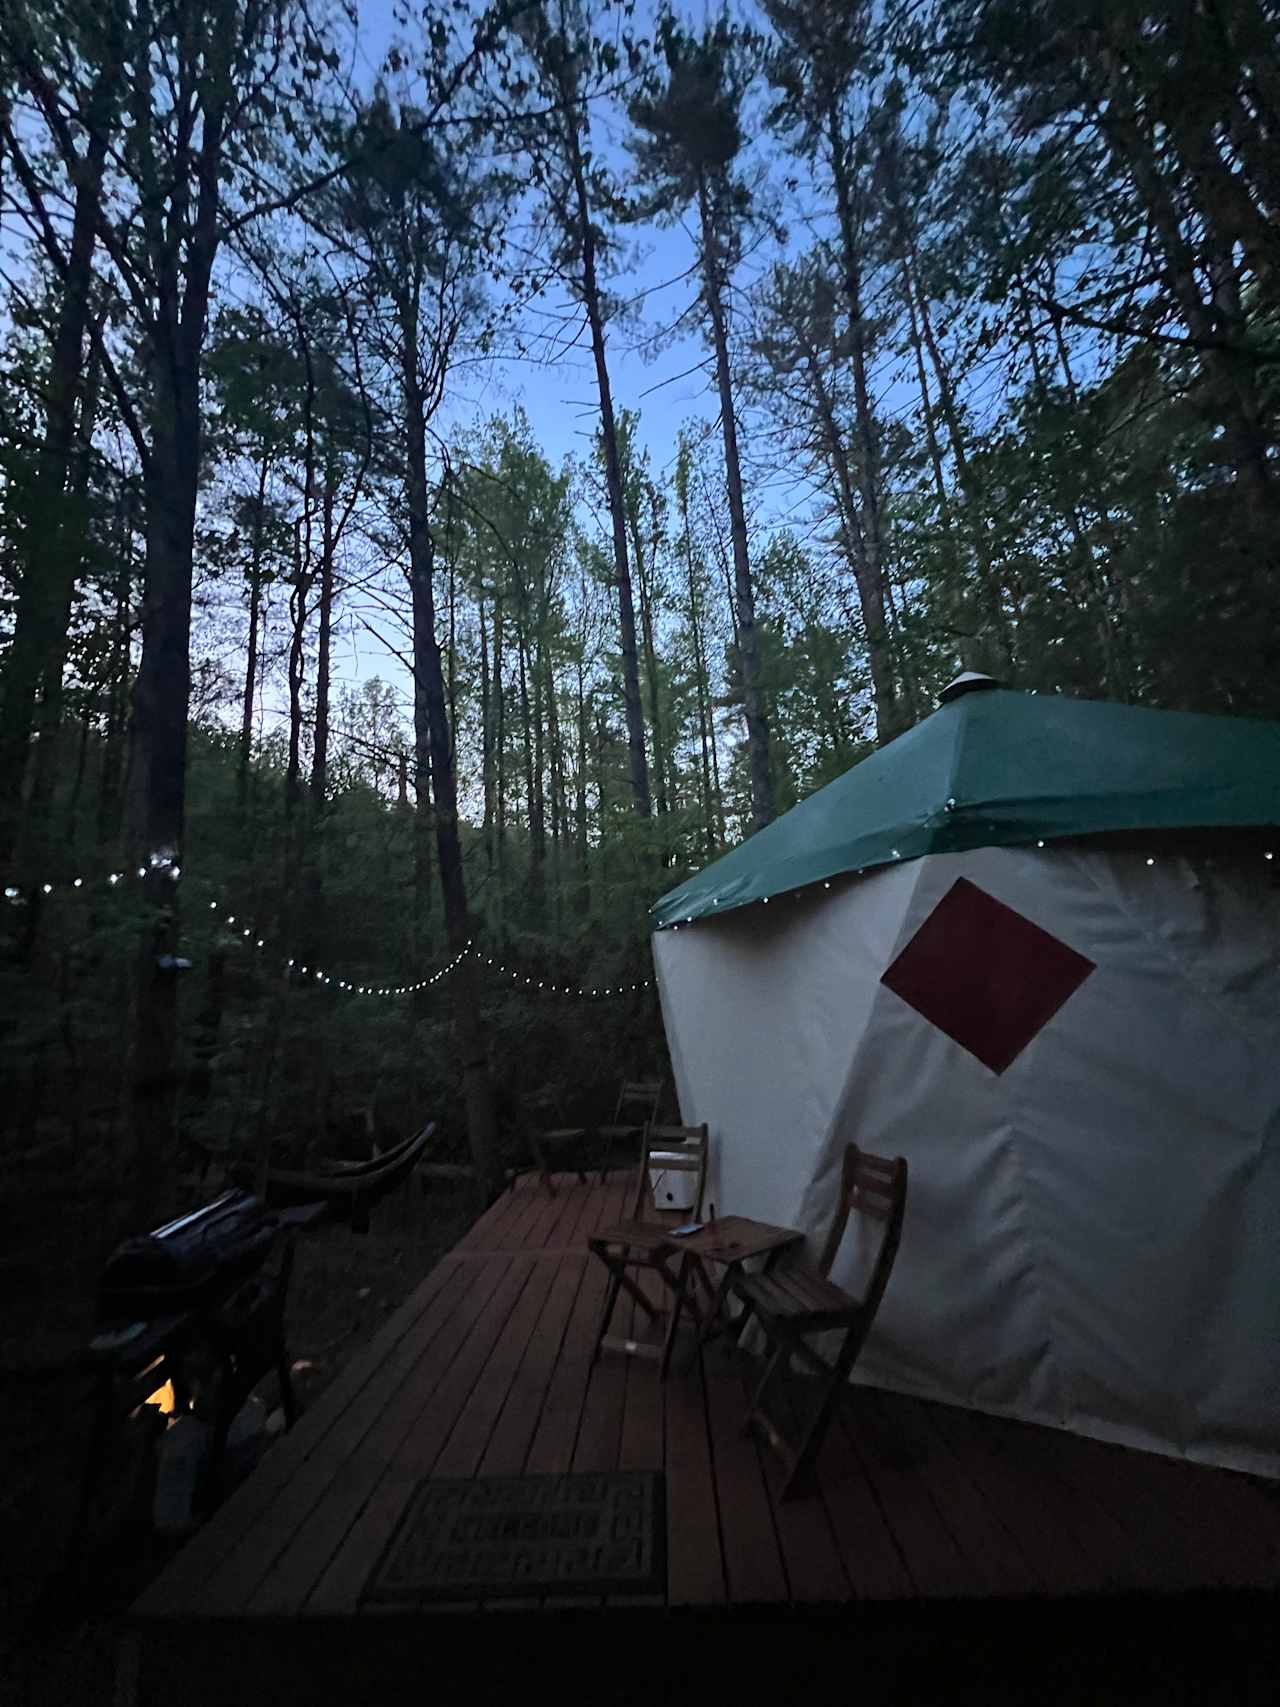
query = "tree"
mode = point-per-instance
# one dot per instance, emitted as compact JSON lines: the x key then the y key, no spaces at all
{"x":52,"y":55}
{"x":819,"y":65}
{"x":415,"y":226}
{"x":689,"y":135}
{"x":568,"y":65}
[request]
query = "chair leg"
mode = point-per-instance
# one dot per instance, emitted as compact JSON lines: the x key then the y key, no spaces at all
{"x":801,"y":1473}
{"x":610,"y":1303}
{"x":771,"y":1363}
{"x":679,"y":1294}
{"x":288,"y":1397}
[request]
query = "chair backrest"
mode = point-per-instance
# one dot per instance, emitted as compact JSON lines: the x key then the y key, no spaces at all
{"x":671,"y":1149}
{"x":643,"y":1095}
{"x":541,"y":1107}
{"x":876,"y":1187}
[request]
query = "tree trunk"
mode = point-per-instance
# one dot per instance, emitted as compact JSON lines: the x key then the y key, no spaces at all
{"x":558,"y":807}
{"x":1231,"y":376}
{"x":55,"y":535}
{"x":111,"y":777}
{"x":873,"y":618}
{"x":699,"y":664}
{"x":298,"y":613}
{"x":500,"y":765}
{"x":748,"y":642}
{"x":245,"y":753}
{"x":580,"y":824}
{"x":320,"y":740}
{"x":999,"y":631}
{"x":650,"y":663}
{"x":585,"y":234}
{"x":304,"y":576}
{"x":486,"y":741}
{"x":431,"y":726}
{"x":158,"y":757}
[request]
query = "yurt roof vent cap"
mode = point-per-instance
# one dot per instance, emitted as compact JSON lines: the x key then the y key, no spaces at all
{"x":968,"y":681}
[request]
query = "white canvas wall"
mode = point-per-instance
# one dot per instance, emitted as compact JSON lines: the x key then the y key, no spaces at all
{"x":1093,"y":1236}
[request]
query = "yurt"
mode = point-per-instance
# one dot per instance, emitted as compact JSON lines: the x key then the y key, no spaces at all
{"x":1033,"y":945}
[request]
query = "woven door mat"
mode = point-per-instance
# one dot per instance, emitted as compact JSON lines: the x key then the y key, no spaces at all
{"x":509,"y":1537}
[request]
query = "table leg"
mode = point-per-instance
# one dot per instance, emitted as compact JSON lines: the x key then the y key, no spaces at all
{"x":679,"y":1295}
{"x":714,"y":1322}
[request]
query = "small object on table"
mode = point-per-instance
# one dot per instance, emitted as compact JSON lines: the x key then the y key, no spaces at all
{"x":729,"y":1242}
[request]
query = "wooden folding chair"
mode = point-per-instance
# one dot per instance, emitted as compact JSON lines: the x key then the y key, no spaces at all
{"x":795,"y":1302}
{"x":546,"y":1133}
{"x":638,"y":1098}
{"x":639,"y":1242}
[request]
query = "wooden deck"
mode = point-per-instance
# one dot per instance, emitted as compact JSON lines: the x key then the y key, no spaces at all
{"x":485,"y":1372}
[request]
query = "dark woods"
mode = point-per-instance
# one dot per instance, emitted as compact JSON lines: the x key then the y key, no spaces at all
{"x":978,"y":312}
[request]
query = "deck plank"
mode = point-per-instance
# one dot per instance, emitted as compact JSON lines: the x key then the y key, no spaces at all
{"x":642,"y":1433}
{"x":484,"y":1234}
{"x":752,"y":1554}
{"x":1039,"y":1453}
{"x":695,"y":1560}
{"x":467,"y":1440}
{"x":1185,"y":1522}
{"x":872,"y":1559}
{"x":992,"y":1554}
{"x":508,"y":1445}
{"x":1016,"y":1498}
{"x":810,"y":1551}
{"x":369,"y":1487}
{"x":485,"y":1370}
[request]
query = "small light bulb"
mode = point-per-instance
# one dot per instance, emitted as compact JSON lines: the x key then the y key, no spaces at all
{"x":79,"y":883}
{"x":213,"y":906}
{"x":259,"y":942}
{"x":1151,"y":862}
{"x":142,"y":871}
{"x":47,"y":887}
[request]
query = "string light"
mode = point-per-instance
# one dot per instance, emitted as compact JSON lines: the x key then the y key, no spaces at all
{"x":164,"y":862}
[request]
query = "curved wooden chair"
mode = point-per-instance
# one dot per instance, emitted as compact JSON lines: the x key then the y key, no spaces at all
{"x":547,"y":1134}
{"x":637,"y":1106}
{"x":639,"y":1242}
{"x":795,"y":1302}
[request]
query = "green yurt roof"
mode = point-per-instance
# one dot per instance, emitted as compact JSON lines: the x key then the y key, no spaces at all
{"x":996,"y":768}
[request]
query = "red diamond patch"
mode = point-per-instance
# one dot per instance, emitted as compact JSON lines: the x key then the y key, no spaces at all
{"x":985,"y":974}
